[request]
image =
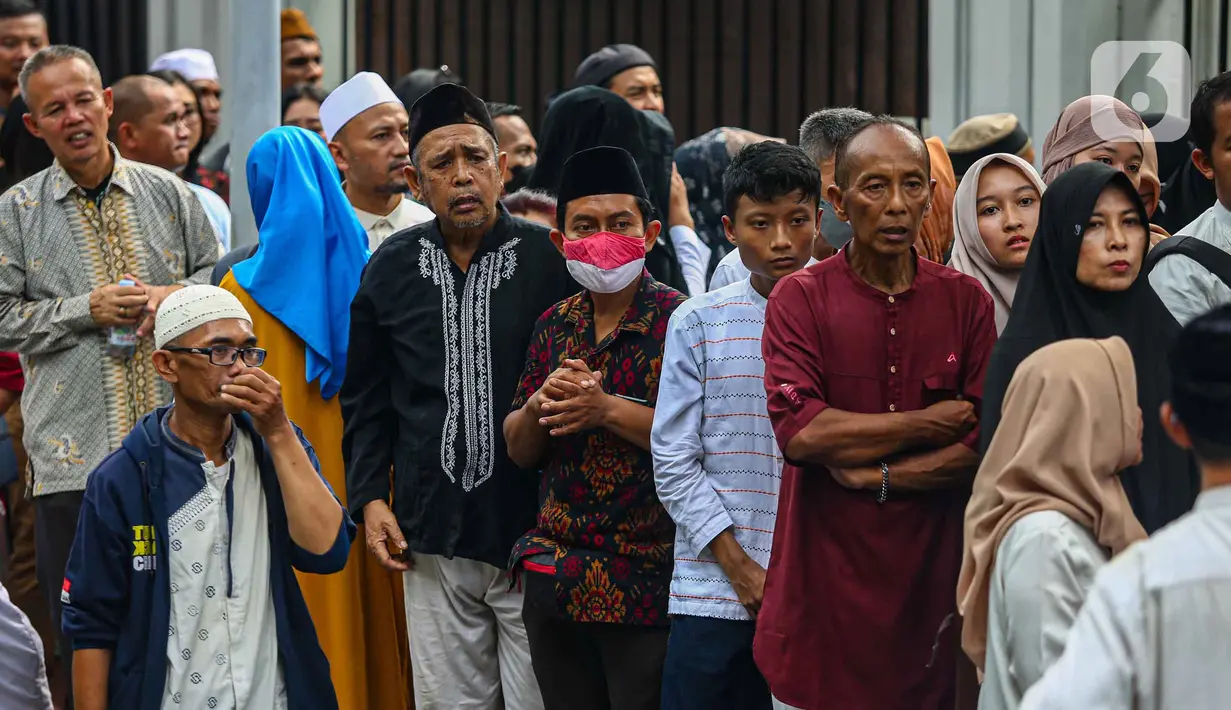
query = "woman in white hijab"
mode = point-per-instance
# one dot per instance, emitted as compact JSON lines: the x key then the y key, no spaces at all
{"x":995,"y":212}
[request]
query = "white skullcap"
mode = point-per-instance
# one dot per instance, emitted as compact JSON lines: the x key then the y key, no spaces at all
{"x":194,"y":64}
{"x":192,"y":306}
{"x":358,"y":94}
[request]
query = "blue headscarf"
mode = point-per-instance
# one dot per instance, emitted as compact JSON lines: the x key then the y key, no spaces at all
{"x":312,"y":248}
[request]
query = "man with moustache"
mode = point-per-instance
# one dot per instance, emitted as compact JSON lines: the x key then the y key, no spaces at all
{"x":439,"y":329}
{"x":879,"y":437}
{"x":301,"y":51}
{"x":367,"y":128}
{"x":71,"y":233}
{"x":23,"y":31}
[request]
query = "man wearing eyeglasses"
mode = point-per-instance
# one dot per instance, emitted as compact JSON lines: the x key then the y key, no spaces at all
{"x":195,"y":526}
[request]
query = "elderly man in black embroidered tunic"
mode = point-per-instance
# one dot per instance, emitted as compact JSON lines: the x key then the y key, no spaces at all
{"x":439,"y":332}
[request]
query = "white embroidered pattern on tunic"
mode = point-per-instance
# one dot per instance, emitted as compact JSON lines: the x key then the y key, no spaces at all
{"x":468,"y":355}
{"x":201,"y":500}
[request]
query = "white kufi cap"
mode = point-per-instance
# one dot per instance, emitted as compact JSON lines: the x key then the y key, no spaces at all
{"x":193,"y":306}
{"x":358,"y":94}
{"x":194,"y":64}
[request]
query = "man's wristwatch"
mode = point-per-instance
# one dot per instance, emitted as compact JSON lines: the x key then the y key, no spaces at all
{"x":884,"y":491}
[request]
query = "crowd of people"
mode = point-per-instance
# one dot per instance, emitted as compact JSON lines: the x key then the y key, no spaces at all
{"x":580,"y":419}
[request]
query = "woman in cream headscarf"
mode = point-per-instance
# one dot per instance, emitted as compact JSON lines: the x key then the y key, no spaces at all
{"x":1047,"y":509}
{"x":995,"y":213}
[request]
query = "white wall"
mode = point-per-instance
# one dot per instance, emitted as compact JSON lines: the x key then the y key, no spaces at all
{"x":1032,"y":57}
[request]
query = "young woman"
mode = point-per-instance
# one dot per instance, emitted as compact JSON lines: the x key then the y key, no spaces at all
{"x":1081,"y":281}
{"x":1103,"y":129}
{"x":1095,"y":129}
{"x":1047,"y":510}
{"x":301,"y":106}
{"x":995,"y":213}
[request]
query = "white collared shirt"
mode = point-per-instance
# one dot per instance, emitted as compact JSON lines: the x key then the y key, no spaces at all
{"x":407,"y":214}
{"x":693,"y":256}
{"x":1153,"y":634}
{"x":1186,"y":287}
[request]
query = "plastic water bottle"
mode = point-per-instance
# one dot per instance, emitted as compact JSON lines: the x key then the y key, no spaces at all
{"x":122,"y":341}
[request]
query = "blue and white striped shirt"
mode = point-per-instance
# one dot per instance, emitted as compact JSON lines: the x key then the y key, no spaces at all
{"x":716,"y":462}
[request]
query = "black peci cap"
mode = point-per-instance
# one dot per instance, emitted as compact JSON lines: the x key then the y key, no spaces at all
{"x":604,"y":170}
{"x":447,"y":105}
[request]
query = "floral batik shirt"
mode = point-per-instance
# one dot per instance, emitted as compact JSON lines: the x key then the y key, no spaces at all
{"x":602,"y":532}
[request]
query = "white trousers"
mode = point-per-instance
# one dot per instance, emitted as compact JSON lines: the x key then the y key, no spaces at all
{"x":468,"y":647}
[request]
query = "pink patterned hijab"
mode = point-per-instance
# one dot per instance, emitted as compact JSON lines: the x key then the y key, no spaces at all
{"x":1085,"y":123}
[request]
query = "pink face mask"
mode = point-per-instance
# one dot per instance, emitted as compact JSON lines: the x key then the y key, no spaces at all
{"x":605,"y":262}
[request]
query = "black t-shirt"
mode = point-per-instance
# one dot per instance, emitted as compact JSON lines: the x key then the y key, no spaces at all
{"x":95,"y":194}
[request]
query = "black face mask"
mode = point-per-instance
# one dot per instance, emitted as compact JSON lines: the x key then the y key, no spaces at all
{"x":521,"y":175}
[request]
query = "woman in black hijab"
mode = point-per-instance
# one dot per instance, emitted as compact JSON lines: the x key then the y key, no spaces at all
{"x":1081,"y":280}
{"x":589,"y":116}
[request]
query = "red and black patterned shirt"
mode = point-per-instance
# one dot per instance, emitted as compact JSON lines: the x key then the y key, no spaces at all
{"x":216,"y":180}
{"x":601,"y":530}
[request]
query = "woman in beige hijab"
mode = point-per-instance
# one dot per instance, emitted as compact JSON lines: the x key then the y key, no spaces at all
{"x":1104,"y":129}
{"x":995,"y":212}
{"x":1095,"y":128}
{"x":1047,"y":509}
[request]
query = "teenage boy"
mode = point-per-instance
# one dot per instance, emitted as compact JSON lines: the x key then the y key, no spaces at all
{"x":716,"y":464}
{"x":597,"y":564}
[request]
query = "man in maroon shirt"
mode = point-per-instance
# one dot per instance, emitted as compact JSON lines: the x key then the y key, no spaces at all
{"x":874,"y":364}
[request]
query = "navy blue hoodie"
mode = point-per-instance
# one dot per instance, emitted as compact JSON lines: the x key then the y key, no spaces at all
{"x":117,"y":591}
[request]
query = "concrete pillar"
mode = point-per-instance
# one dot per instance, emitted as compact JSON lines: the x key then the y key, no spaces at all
{"x":255,"y":98}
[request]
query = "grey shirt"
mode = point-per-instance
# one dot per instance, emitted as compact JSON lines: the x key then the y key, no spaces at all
{"x":23,"y":676}
{"x":56,"y":247}
{"x":1044,"y":567}
{"x":1187,"y":288}
{"x":1155,"y":631}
